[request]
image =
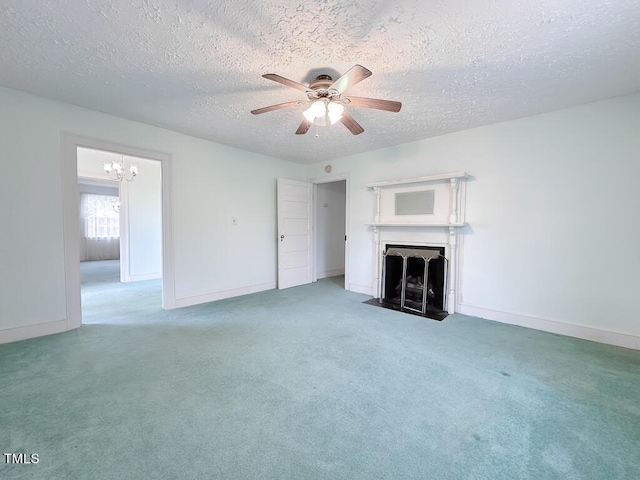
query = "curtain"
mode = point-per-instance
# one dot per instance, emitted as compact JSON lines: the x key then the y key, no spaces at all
{"x":99,"y":227}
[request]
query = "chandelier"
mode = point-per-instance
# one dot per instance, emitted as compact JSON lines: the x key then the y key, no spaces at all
{"x":116,"y":171}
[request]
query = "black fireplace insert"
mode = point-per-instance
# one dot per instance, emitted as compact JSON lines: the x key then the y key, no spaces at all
{"x":414,"y":280}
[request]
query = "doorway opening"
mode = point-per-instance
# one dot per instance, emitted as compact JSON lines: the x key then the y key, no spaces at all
{"x":330,"y":239}
{"x":131,"y":220}
{"x":120,"y":226}
{"x":312,"y":239}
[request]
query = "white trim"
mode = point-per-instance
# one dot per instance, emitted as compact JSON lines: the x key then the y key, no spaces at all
{"x":417,"y":225}
{"x":31,"y":331}
{"x":124,"y":233}
{"x":553,"y":326}
{"x":364,"y":289}
{"x":222,"y":294}
{"x":70,"y":143}
{"x":314,"y":232}
{"x":144,"y":276}
{"x":336,"y":177}
{"x":430,"y":178}
{"x":70,"y":233}
{"x":330,"y":273}
{"x":168,"y":251}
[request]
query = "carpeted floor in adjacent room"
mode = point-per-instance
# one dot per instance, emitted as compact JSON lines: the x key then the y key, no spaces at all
{"x":311,"y":383}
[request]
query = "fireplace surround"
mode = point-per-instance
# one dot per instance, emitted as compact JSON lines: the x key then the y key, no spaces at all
{"x":415,"y":215}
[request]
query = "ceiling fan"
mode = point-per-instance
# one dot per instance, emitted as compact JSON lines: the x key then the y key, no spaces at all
{"x":327,"y":102}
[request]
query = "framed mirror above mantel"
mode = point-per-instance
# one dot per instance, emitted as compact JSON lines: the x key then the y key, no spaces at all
{"x":421,"y":211}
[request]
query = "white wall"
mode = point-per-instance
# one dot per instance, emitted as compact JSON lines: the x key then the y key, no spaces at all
{"x":143,"y":203}
{"x":330,"y":228}
{"x":553,"y":236}
{"x":210,"y":184}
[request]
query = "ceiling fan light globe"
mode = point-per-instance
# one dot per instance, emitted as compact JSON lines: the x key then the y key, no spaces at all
{"x":334,"y":110}
{"x":319,"y":108}
{"x":321,"y":121}
{"x":316,"y":113}
{"x":309,"y":114}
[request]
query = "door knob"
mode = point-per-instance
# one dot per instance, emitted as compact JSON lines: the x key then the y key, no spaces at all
{"x":281,"y":237}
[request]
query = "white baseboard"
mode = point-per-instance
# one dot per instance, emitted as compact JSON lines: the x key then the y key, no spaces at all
{"x":32,"y":331}
{"x":365,"y":289}
{"x":144,"y":276}
{"x":553,"y":326}
{"x":222,"y":294}
{"x":330,"y":273}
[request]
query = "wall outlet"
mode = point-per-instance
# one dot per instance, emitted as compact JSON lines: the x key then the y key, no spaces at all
{"x":234,"y":221}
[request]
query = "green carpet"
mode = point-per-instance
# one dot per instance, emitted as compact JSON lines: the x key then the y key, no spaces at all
{"x":310,"y":383}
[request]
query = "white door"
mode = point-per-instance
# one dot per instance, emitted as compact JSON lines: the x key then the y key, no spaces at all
{"x":295,"y":262}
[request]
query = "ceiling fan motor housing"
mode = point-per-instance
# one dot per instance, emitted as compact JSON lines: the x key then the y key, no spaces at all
{"x":320,"y":87}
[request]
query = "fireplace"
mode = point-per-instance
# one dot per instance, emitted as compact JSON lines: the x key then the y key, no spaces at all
{"x":417,"y":225}
{"x":414,"y":280}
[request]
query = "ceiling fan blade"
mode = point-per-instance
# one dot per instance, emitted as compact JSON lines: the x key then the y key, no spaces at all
{"x":356,"y":74}
{"x":285,"y":81}
{"x":386,"y":105}
{"x":350,"y":122}
{"x":304,"y":127}
{"x":271,"y":108}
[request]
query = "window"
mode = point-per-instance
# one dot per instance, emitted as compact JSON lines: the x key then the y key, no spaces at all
{"x":101,"y":220}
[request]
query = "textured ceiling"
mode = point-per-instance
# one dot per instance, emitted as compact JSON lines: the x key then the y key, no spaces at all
{"x":195,"y":66}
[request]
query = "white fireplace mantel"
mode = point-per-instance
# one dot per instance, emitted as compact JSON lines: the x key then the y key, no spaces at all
{"x":417,"y":225}
{"x":436,"y":221}
{"x":427,"y":179}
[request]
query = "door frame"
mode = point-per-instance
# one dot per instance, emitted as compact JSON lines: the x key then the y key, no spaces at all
{"x":71,"y":230}
{"x":331,"y":178}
